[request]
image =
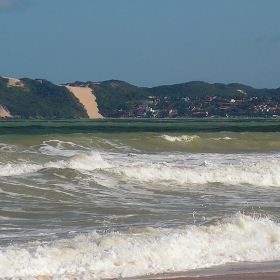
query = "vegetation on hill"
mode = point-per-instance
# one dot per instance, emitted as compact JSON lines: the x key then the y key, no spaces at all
{"x":116,"y":99}
{"x":201,"y":99}
{"x":192,"y":99}
{"x":40,"y":99}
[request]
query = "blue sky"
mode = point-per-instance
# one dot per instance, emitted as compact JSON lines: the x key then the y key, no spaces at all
{"x":142,"y":42}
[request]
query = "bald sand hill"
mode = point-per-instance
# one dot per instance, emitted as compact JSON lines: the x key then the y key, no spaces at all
{"x":13,"y":82}
{"x":4,"y":113}
{"x":86,"y":97}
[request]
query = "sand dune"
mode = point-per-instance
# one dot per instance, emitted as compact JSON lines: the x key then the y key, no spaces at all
{"x":13,"y":82}
{"x":4,"y":113}
{"x":86,"y":97}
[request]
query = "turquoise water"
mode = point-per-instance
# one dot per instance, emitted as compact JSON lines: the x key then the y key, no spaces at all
{"x":122,"y":198}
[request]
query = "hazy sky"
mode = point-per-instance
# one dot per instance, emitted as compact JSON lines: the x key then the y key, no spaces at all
{"x":142,"y":42}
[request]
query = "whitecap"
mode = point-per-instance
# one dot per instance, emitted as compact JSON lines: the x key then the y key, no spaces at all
{"x":239,"y":238}
{"x":183,"y":138}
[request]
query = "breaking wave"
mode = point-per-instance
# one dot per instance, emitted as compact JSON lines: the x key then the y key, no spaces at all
{"x":257,"y":174}
{"x":183,"y":138}
{"x":162,"y":168}
{"x":153,"y":250}
{"x":79,"y":161}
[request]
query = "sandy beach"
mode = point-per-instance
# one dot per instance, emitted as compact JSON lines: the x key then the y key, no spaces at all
{"x":86,"y":97}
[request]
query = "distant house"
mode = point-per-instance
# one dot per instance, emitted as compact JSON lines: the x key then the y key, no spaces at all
{"x":143,"y":107}
{"x":208,"y":98}
{"x":199,"y":114}
{"x":142,"y":110}
{"x":149,"y":102}
{"x":141,"y":113}
{"x":156,"y":102}
{"x":173,"y":113}
{"x":128,"y":114}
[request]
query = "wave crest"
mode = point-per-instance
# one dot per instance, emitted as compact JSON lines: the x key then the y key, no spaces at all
{"x":257,"y":174}
{"x":240,"y":238}
{"x":183,"y":138}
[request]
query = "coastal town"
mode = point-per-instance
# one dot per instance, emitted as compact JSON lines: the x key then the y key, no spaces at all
{"x":208,"y":107}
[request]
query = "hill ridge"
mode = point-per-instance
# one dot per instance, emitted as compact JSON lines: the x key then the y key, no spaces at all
{"x":41,"y":99}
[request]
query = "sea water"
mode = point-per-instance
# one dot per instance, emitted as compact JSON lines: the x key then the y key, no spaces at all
{"x":120,"y":203}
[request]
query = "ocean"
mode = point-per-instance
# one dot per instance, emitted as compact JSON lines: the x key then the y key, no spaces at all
{"x":104,"y":199}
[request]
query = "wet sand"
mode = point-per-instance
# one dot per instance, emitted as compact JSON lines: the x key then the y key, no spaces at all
{"x":239,"y":276}
{"x":86,"y":97}
{"x":243,"y":271}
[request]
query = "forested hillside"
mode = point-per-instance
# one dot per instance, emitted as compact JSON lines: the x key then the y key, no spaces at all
{"x":43,"y":99}
{"x":39,"y":99}
{"x":116,"y":97}
{"x":192,"y":99}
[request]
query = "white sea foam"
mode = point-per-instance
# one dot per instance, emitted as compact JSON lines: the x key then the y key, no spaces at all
{"x":11,"y":169}
{"x":238,"y":239}
{"x":90,"y":161}
{"x":224,"y":138}
{"x":8,"y":147}
{"x":256,"y":173}
{"x":58,"y":147}
{"x":183,"y":138}
{"x":180,"y":169}
{"x":79,"y":161}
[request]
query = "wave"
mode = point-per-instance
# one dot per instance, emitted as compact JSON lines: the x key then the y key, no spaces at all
{"x":178,"y":169}
{"x":239,"y":238}
{"x":79,"y":161}
{"x":58,"y":147}
{"x":90,"y":161}
{"x":182,"y":138}
{"x":223,"y":138}
{"x":11,"y":169}
{"x":223,"y":142}
{"x":256,"y":174}
{"x":8,"y":147}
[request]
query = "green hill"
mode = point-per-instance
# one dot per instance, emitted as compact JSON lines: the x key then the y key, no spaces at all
{"x":40,"y":99}
{"x":43,"y":99}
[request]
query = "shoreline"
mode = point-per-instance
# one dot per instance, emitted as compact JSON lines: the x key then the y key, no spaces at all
{"x":232,"y":271}
{"x":244,"y":271}
{"x":236,"y":276}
